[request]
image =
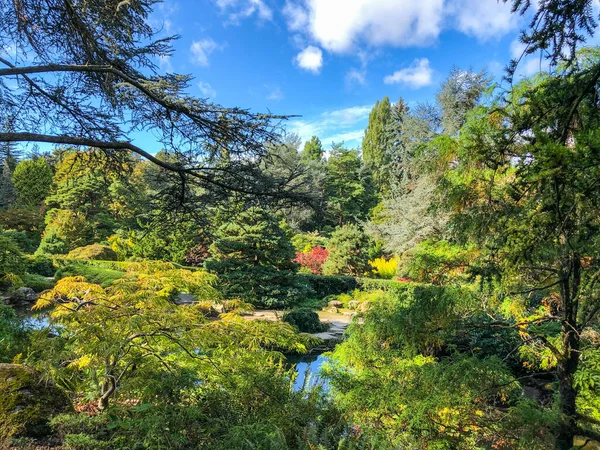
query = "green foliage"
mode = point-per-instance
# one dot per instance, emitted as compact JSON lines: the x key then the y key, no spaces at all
{"x":386,"y":377}
{"x":12,"y":260}
{"x":98,"y":275}
{"x":23,"y":240}
{"x":313,"y":150}
{"x":32,"y":180}
{"x":376,"y":148}
{"x":26,"y":404}
{"x":253,"y":260}
{"x":436,"y":262}
{"x":303,"y":242}
{"x":30,"y":221}
{"x":38,"y":283}
{"x":348,"y":252}
{"x":7,"y":190}
{"x":41,"y":265}
{"x":325,"y":285}
{"x":93,"y":251}
{"x":305,"y":320}
{"x":13,"y":334}
{"x":65,"y":231}
{"x":349,"y":188}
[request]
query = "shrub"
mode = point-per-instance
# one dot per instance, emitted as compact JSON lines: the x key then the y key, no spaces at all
{"x":13,"y":335}
{"x":12,"y":261}
{"x":253,"y":260}
{"x":305,"y":320}
{"x":37,"y":282}
{"x":93,"y":251}
{"x":325,"y":285}
{"x":384,"y":268}
{"x":23,"y":240}
{"x":97,"y":275}
{"x":313,"y":260}
{"x":41,"y":265}
{"x":349,"y":250}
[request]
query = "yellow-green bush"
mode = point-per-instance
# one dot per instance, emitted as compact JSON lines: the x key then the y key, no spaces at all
{"x":94,"y":251}
{"x":384,"y":268}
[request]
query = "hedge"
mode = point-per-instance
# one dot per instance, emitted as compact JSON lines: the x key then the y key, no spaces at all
{"x":325,"y":285}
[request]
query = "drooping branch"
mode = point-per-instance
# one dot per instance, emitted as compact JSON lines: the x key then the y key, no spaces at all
{"x":128,"y":146}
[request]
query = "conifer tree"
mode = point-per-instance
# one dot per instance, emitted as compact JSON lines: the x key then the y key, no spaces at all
{"x":32,"y":180}
{"x":313,"y":150}
{"x":375,"y":145}
{"x":253,"y":258}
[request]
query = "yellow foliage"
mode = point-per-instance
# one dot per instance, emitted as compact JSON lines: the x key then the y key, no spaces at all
{"x":384,"y":268}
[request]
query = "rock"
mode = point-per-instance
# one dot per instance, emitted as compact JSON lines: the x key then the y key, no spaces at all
{"x":23,"y":295}
{"x":27,"y":402}
{"x":353,"y":304}
{"x":332,"y":309}
{"x":335,"y":304}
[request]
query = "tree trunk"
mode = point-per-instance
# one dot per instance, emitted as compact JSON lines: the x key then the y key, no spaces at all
{"x":569,"y":360}
{"x":566,"y":370}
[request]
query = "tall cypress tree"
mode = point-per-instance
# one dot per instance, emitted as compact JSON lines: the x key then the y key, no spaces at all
{"x":375,"y":145}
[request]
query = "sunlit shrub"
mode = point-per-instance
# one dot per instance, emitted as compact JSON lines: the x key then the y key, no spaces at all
{"x":384,"y":268}
{"x":94,"y":251}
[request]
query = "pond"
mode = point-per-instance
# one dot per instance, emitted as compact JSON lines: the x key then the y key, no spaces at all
{"x":308,"y":371}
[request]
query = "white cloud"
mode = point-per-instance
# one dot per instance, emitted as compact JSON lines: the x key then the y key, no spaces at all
{"x":201,"y":50}
{"x":296,"y":16}
{"x":207,"y":90}
{"x":340,"y":26}
{"x":529,"y":64}
{"x":238,"y":10}
{"x":483,"y":19}
{"x":345,"y":124}
{"x":275,"y":94}
{"x":311,"y":59}
{"x":356,"y":76}
{"x":418,"y":75}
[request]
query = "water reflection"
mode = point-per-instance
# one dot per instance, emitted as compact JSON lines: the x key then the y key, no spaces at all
{"x":308,"y":368}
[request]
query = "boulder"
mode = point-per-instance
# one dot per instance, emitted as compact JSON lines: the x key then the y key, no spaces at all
{"x":27,"y":402}
{"x":335,"y":304}
{"x":23,"y":295}
{"x":353,"y":304}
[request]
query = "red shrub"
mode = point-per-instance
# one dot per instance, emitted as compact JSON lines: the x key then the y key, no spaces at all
{"x":313,"y":260}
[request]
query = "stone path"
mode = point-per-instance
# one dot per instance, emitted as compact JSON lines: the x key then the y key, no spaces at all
{"x":338,"y":322}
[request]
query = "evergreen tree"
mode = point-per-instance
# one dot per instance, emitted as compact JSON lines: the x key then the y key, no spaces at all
{"x":348,"y":252}
{"x":460,"y":93}
{"x":32,"y":180}
{"x":375,"y":145}
{"x":350,"y":191}
{"x":253,"y":258}
{"x":313,"y":150}
{"x":7,"y":190}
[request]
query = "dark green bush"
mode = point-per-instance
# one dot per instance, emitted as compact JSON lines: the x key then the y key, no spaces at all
{"x":41,"y":265}
{"x":23,"y":240}
{"x":305,"y":320}
{"x":325,"y":285}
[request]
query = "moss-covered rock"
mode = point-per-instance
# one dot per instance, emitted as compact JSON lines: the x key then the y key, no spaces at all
{"x":27,"y":402}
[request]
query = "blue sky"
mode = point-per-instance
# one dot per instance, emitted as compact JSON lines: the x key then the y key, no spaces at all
{"x":330,"y":60}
